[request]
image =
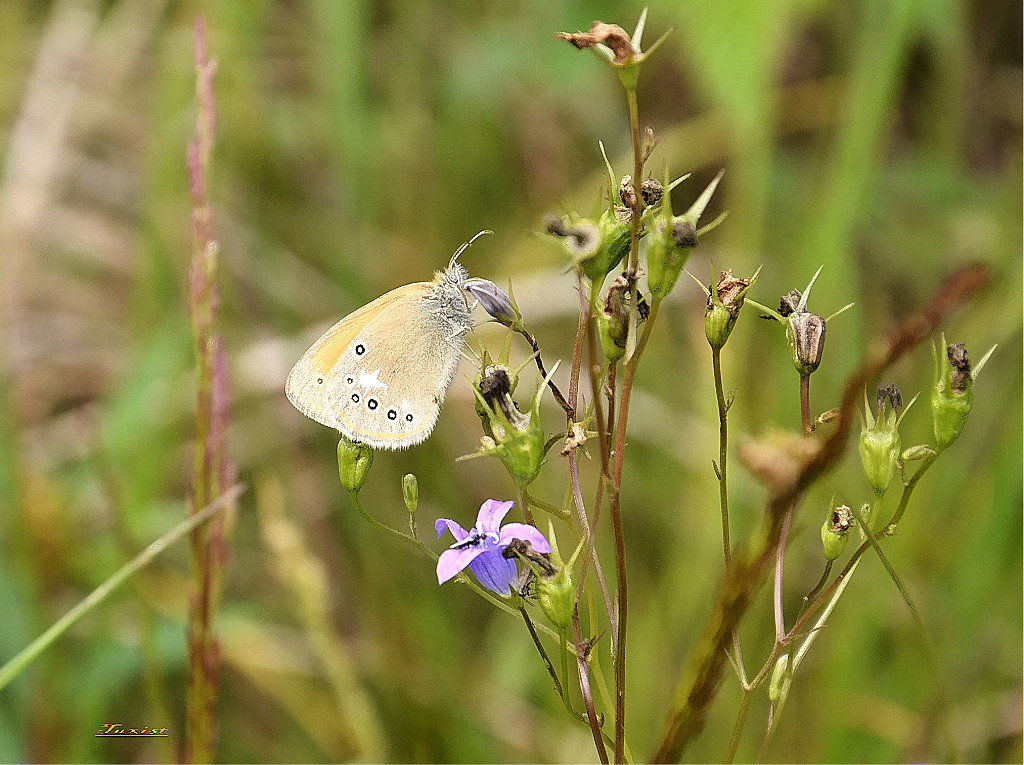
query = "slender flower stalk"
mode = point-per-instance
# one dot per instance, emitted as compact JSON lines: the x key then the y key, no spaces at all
{"x":31,"y":652}
{"x":211,"y":471}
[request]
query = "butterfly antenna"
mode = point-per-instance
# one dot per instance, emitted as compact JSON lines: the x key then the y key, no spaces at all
{"x":465,"y":246}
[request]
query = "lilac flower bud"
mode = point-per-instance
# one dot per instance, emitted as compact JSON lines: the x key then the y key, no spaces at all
{"x":493,"y":299}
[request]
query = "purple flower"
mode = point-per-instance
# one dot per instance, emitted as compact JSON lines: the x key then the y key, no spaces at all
{"x":480,"y":548}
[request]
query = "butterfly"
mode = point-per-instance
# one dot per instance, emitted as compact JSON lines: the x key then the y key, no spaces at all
{"x":379,"y":375}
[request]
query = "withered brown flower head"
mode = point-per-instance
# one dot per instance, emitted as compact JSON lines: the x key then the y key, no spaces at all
{"x":730,"y":292}
{"x":612,"y":35}
{"x":960,"y":360}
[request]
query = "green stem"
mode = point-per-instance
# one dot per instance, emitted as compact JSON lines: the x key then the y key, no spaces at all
{"x":559,"y":686}
{"x":562,"y":644}
{"x":723,"y":487}
{"x":31,"y":652}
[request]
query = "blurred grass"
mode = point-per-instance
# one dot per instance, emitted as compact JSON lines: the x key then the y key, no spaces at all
{"x":359,"y":145}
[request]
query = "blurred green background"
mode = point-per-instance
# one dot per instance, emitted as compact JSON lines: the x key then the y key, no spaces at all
{"x":358,"y":145}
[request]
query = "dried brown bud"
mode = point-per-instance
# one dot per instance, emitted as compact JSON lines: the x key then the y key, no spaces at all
{"x":959,"y":359}
{"x":807,"y":340}
{"x":731,"y":291}
{"x":612,"y":35}
{"x":652,"y":191}
{"x":789,"y":303}
{"x":626,"y":192}
{"x":841,"y":520}
{"x":623,"y":214}
{"x":496,"y":388}
{"x":684,"y":234}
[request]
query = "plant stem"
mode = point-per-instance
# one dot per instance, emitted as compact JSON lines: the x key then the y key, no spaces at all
{"x":544,"y":373}
{"x":805,"y":404}
{"x":588,"y":695}
{"x":31,"y":652}
{"x":559,"y":687}
{"x":723,"y":454}
{"x":564,"y":651}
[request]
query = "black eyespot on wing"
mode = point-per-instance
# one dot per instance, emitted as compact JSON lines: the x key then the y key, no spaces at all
{"x":355,"y":398}
{"x":371,"y":404}
{"x":349,"y":380}
{"x":360,"y":349}
{"x":408,"y":418}
{"x":392,"y":414}
{"x":319,"y":381}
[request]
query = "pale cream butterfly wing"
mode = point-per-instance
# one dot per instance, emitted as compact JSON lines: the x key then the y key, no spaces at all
{"x":380,"y":374}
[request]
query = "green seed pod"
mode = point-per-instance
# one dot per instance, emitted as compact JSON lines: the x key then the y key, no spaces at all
{"x":613,"y":351}
{"x":880,"y":439}
{"x":782,"y":675}
{"x":557,"y":597}
{"x":613,"y":320}
{"x":725,"y":300}
{"x":952,"y":394}
{"x":354,"y":460}
{"x":835,"y":531}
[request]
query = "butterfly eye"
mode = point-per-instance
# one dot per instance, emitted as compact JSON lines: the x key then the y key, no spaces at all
{"x":355,"y":398}
{"x":360,"y":349}
{"x":392,"y":414}
{"x":371,"y":404}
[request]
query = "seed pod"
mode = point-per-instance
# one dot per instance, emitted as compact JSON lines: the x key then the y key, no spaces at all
{"x":354,"y":460}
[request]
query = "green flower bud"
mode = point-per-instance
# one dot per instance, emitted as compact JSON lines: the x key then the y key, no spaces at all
{"x":879,"y":438}
{"x":919,"y":452}
{"x":354,"y":460}
{"x":782,"y":675}
{"x":952,"y":394}
{"x":411,"y":493}
{"x":835,"y":531}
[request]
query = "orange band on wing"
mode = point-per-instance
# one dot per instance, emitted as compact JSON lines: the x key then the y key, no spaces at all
{"x":333,"y":343}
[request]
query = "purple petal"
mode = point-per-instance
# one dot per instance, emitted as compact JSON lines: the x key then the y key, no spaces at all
{"x":493,"y":571}
{"x":447,"y":523}
{"x":527,"y":533}
{"x":491,"y":514}
{"x":452,"y":562}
